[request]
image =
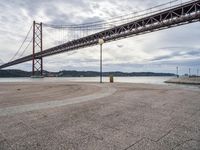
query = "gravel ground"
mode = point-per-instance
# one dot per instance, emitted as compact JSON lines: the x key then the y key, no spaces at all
{"x":93,"y":116}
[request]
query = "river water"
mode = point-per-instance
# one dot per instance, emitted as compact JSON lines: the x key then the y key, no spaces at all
{"x":151,"y":80}
{"x":146,"y":80}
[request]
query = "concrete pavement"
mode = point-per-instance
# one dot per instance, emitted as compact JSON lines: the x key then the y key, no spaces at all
{"x":128,"y":117}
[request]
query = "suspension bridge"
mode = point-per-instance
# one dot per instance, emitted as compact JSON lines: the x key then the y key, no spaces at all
{"x":72,"y":37}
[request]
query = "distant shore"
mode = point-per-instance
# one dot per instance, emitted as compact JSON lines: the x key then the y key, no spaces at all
{"x":74,"y":73}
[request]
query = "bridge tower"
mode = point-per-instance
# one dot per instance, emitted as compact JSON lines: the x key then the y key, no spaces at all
{"x":37,"y":63}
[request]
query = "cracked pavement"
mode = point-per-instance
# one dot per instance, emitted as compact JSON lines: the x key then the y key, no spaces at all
{"x":126,"y":117}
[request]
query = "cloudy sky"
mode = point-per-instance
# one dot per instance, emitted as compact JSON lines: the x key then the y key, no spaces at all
{"x":159,"y":51}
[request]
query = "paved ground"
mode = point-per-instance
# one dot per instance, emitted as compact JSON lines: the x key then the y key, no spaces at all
{"x":89,"y":116}
{"x":185,"y":80}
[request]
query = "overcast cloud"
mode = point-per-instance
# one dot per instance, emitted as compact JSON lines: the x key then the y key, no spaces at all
{"x":159,"y":51}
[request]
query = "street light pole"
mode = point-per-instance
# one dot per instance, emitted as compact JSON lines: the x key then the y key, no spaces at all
{"x":101,"y":41}
{"x":100,"y":63}
{"x":189,"y":72}
{"x":177,"y":72}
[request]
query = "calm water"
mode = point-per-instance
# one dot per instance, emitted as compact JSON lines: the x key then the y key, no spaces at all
{"x":152,"y":80}
{"x":148,"y":80}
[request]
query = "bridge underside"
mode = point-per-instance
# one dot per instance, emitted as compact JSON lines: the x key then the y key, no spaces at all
{"x":175,"y":16}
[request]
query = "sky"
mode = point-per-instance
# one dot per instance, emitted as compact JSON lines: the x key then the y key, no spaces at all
{"x":160,"y":51}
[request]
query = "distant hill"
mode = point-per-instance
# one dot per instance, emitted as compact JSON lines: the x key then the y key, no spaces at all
{"x":14,"y":73}
{"x":72,"y":73}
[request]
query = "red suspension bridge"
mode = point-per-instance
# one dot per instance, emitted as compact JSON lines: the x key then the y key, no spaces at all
{"x":84,"y":35}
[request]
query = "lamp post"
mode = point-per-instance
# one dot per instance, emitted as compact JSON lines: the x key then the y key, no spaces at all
{"x":177,"y":72}
{"x":189,"y":72}
{"x":101,"y":41}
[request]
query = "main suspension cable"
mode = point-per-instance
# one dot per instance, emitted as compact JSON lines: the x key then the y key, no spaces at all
{"x":26,"y":48}
{"x":21,"y":44}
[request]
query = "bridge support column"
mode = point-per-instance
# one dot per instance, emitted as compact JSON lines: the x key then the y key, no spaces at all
{"x":37,"y":62}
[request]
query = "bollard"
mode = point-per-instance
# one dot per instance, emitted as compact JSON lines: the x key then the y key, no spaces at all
{"x":111,"y":79}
